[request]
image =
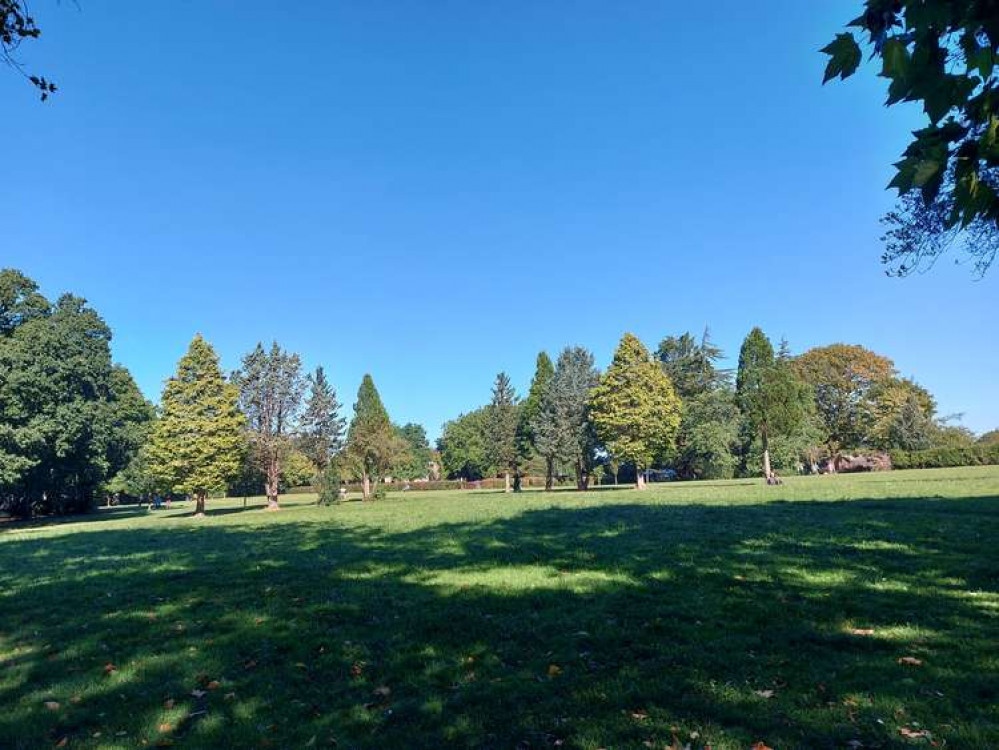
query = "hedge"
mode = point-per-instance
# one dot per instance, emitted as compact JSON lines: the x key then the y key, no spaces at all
{"x":939,"y":458}
{"x":492,"y":483}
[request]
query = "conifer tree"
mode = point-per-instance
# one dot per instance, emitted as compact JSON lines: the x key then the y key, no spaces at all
{"x":196,"y":444}
{"x":634,"y":409}
{"x":562,"y":428}
{"x":529,"y":409}
{"x":321,"y":426}
{"x":371,"y":440}
{"x":503,"y":417}
{"x":773,"y":400}
{"x":270,"y":394}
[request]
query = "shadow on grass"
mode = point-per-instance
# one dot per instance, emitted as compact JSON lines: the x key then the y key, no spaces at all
{"x":602,"y":626}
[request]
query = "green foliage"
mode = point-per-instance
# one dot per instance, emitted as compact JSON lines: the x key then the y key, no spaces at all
{"x":462,"y":446}
{"x":561,"y":428}
{"x":946,"y":456}
{"x":372,"y":444}
{"x":502,"y":418}
{"x":328,"y":486}
{"x":774,"y":401}
{"x":544,"y":370}
{"x":634,"y":409}
{"x":270,"y":394}
{"x":709,"y":436}
{"x":942,"y":54}
{"x":415,"y":461}
{"x":69,"y":419}
{"x":321,"y":428}
{"x":691,"y":365}
{"x":989,"y":438}
{"x":197,"y":442}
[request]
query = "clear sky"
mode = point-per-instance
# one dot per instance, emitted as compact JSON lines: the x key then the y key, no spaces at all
{"x":433,"y":191}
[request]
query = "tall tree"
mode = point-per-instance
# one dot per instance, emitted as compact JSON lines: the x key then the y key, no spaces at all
{"x":321,"y":427}
{"x":372,"y":443}
{"x":544,"y":370}
{"x":69,"y":418}
{"x":773,"y":400}
{"x":196,"y":444}
{"x":562,"y":427}
{"x":942,"y":54}
{"x":634,"y":408}
{"x":270,"y":394}
{"x":845,"y":378}
{"x":503,"y":417}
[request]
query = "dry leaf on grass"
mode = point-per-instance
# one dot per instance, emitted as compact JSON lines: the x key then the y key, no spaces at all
{"x":52,"y":705}
{"x":913,"y":734}
{"x":911,"y":661}
{"x":761,"y":746}
{"x":765,"y":693}
{"x":862,"y":631}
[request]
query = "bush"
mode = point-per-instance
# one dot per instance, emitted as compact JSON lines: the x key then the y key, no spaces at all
{"x":939,"y":458}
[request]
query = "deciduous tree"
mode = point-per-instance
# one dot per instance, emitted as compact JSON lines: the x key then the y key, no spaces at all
{"x":942,"y":54}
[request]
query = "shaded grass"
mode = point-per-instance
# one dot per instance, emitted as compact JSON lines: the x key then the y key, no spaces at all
{"x":719,"y":614}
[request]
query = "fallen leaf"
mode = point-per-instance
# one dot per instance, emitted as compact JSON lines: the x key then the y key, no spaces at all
{"x":356,"y":669}
{"x":554,"y":670}
{"x":764,"y":693}
{"x":213,"y":685}
{"x":198,"y":693}
{"x":166,"y":728}
{"x":911,"y":661}
{"x":109,"y":668}
{"x":230,"y":696}
{"x":52,"y":705}
{"x":76,"y":699}
{"x":862,"y":631}
{"x":761,"y":746}
{"x":63,"y":742}
{"x":913,"y":734}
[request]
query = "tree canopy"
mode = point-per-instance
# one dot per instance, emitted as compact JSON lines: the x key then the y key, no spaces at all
{"x":941,"y":54}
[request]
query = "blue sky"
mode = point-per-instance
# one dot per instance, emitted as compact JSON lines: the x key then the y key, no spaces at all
{"x":434,"y":191}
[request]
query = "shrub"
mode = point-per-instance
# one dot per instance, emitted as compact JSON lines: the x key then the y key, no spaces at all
{"x":938,"y":458}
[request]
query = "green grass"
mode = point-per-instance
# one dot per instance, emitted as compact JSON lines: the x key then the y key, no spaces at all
{"x":716,"y":613}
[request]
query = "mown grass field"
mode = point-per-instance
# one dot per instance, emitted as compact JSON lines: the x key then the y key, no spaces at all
{"x":832,"y":612}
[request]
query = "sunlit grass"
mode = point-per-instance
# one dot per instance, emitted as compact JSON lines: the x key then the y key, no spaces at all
{"x":715,"y":613}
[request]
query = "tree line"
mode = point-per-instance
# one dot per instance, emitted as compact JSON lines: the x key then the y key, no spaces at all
{"x":74,"y":426}
{"x":676,"y":409}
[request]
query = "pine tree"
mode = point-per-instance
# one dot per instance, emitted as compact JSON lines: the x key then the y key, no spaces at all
{"x":774,"y":402}
{"x":529,"y":409}
{"x":270,"y":394}
{"x":195,"y":447}
{"x":372,"y":444}
{"x":503,"y":417}
{"x":634,"y":409}
{"x":321,"y":426}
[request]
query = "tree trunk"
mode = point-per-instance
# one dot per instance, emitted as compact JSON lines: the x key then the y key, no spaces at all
{"x":618,"y":471}
{"x":517,"y":487}
{"x":581,"y":479}
{"x":365,"y":486}
{"x":271,"y":481}
{"x":766,"y":457}
{"x":639,"y":478}
{"x":549,"y":474}
{"x":506,"y":482}
{"x":199,"y":504}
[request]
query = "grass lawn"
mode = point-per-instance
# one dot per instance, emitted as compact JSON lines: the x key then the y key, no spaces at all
{"x":832,"y":612}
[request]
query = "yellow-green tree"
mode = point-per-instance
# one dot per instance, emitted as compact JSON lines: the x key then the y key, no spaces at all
{"x":197,"y":443}
{"x":634,"y":409}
